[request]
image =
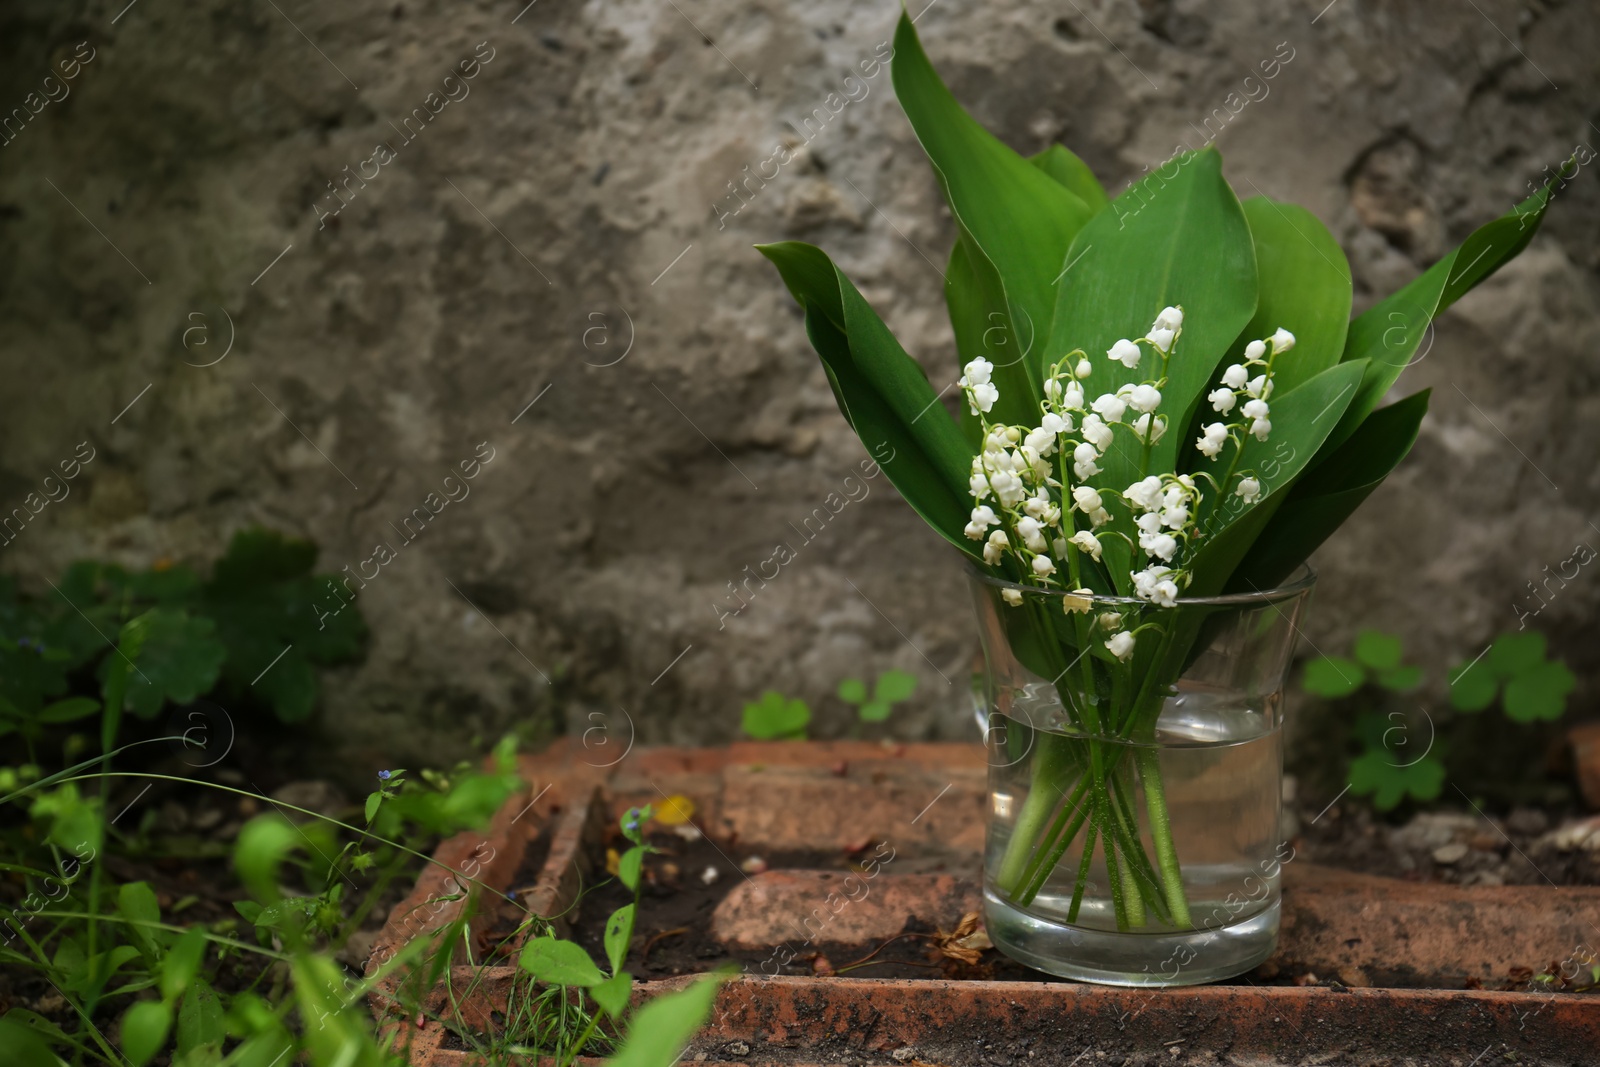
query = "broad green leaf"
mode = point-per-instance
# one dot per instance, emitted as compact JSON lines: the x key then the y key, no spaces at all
{"x":1330,"y":492}
{"x":1015,"y":219}
{"x":289,"y":685}
{"x":1301,"y":420}
{"x":662,"y":1027}
{"x":1377,"y":650}
{"x":144,"y":1031}
{"x":560,"y":963}
{"x":179,"y":661}
{"x":1376,"y":774}
{"x":1064,"y":166}
{"x":1513,"y":653}
{"x":1303,"y":286}
{"x":1388,"y":333}
{"x":612,"y":994}
{"x":182,"y":962}
{"x":1333,"y":677}
{"x":200,"y":1025}
{"x":629,"y":866}
{"x":852,"y":691}
{"x":1473,"y":686}
{"x":882,"y":392}
{"x":1186,"y":243}
{"x":374,"y":802}
{"x":136,"y":902}
{"x":895,"y":686}
{"x":619,"y":934}
{"x":1401,"y":679}
{"x":1539,"y":692}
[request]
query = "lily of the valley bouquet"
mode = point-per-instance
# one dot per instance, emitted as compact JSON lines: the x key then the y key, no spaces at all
{"x":1163,"y":400}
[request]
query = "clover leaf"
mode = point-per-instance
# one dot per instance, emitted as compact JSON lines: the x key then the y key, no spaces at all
{"x":1539,"y":692}
{"x":1375,"y":772}
{"x":776,"y":717}
{"x":1333,"y":677}
{"x":1378,"y":650}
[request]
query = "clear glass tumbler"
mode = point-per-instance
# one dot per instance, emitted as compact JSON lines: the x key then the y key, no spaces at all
{"x":1135,"y":799}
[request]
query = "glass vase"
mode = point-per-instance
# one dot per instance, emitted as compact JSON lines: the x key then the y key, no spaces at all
{"x":1135,"y":792}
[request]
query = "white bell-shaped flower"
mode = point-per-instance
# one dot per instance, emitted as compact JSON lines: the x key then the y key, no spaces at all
{"x":1043,"y":566}
{"x":995,"y":547}
{"x":1282,"y":340}
{"x":982,"y":398}
{"x":1145,"y":494}
{"x":1086,"y":542}
{"x":1161,"y":338}
{"x":983,"y":517}
{"x":1255,"y":350}
{"x":1110,"y":407}
{"x":1260,"y":429}
{"x":1235,"y":376}
{"x":1087,"y":498}
{"x":1256,"y":409}
{"x":1170,"y":318}
{"x":1222,"y":400}
{"x":1144,"y":398}
{"x":1121,"y":645}
{"x":1124,"y":352}
{"x":1249,"y":490}
{"x":1212,"y":439}
{"x":1095,"y":432}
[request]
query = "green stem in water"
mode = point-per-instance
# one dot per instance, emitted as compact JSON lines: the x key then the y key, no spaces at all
{"x":1050,"y":763}
{"x":1161,"y":832}
{"x":1083,"y":874}
{"x":1055,"y":842}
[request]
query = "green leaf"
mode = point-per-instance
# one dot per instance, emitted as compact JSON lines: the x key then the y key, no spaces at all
{"x":1065,"y":167}
{"x":1374,"y":773}
{"x":1304,"y":287}
{"x":776,"y":716}
{"x":853,"y":691}
{"x":1514,"y":653}
{"x":124,"y":664}
{"x":1378,"y":650}
{"x":200,"y":1022}
{"x":136,"y":902}
{"x":629,"y":866}
{"x":260,"y":850}
{"x":1329,"y":492}
{"x":882,"y":392}
{"x":874,"y":711}
{"x":1301,"y":419}
{"x":23,"y":1043}
{"x":662,"y":1028}
{"x":612,"y":994}
{"x":182,"y":962}
{"x":562,"y":963}
{"x":1015,"y":220}
{"x":619,"y":934}
{"x":1333,"y":677}
{"x":1539,"y":693}
{"x":894,"y":686}
{"x":179,"y":661}
{"x":1178,"y":239}
{"x":144,"y":1030}
{"x":1473,"y":686}
{"x":1388,"y":333}
{"x":70,"y":710}
{"x":1400,"y":679}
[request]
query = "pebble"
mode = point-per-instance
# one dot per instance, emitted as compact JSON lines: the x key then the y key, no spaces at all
{"x":753,"y":865}
{"x":709,"y":876}
{"x":902,"y":1055}
{"x":1450,"y":854}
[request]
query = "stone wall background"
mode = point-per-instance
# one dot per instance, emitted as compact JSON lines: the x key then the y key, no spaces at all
{"x":575,"y":207}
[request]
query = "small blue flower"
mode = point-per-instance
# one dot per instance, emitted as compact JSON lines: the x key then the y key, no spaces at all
{"x":383,"y":776}
{"x":630,"y":821}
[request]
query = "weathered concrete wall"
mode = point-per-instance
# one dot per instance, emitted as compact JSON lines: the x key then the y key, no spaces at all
{"x":564,"y":234}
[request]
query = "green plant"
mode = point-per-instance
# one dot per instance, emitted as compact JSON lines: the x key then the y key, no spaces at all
{"x":1391,"y":767}
{"x":255,"y":628}
{"x":1213,"y":453}
{"x":662,"y":1027}
{"x":776,"y":717}
{"x":891,"y":688}
{"x":1531,"y":687}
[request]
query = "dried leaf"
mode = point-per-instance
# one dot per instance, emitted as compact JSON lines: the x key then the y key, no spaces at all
{"x":967,"y":942}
